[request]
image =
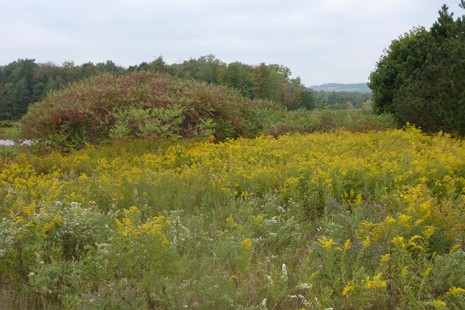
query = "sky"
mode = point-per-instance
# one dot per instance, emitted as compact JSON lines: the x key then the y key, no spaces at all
{"x":321,"y":41}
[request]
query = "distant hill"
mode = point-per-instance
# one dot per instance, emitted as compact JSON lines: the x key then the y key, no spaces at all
{"x":338,"y":87}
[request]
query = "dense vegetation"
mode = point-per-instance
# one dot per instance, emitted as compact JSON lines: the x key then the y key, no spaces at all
{"x":328,"y":220}
{"x":420,"y":78}
{"x":23,"y":82}
{"x":140,"y":104}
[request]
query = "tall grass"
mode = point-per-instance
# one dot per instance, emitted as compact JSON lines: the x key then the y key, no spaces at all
{"x":277,"y":122}
{"x":9,"y":130}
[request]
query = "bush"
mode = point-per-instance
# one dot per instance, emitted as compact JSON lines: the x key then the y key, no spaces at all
{"x":138,"y":105}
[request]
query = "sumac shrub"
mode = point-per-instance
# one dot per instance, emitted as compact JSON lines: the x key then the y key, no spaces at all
{"x":139,"y":104}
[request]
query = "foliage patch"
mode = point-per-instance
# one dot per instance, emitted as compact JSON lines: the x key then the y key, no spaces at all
{"x":139,"y":105}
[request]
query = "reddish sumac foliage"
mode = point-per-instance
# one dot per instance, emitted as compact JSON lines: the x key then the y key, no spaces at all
{"x":90,"y":111}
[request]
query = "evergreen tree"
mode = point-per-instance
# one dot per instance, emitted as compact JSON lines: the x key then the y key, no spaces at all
{"x":420,"y":78}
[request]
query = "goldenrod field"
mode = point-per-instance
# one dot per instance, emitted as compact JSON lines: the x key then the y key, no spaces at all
{"x":338,"y":220}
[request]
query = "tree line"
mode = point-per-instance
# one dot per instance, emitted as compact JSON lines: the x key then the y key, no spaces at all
{"x":24,"y":81}
{"x":264,"y":81}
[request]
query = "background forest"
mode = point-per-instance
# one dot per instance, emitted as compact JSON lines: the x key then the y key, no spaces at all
{"x":24,"y":81}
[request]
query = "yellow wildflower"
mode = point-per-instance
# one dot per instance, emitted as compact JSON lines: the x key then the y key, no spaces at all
{"x":412,"y":242}
{"x":455,"y":291}
{"x":438,"y":304}
{"x":404,"y":219}
{"x":398,"y":240}
{"x":347,"y":245}
{"x":389,"y":219}
{"x":366,"y":242}
{"x":246,"y":244}
{"x":429,"y":231}
{"x":376,"y":282}
{"x":427,"y":272}
{"x":455,"y":248}
{"x":347,"y":289}
{"x":326,"y":243}
{"x":119,"y":225}
{"x":165,"y":241}
{"x":385,"y":258}
{"x":405,"y":272}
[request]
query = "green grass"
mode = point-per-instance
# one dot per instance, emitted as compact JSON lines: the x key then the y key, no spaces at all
{"x":9,"y":130}
{"x":278,"y":122}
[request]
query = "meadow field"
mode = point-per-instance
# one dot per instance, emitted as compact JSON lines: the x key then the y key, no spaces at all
{"x":336,"y":220}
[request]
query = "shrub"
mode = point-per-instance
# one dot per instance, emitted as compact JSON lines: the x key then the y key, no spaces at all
{"x":139,"y":105}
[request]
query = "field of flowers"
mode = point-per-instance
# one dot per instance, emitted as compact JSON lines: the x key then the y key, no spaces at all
{"x":337,"y":220}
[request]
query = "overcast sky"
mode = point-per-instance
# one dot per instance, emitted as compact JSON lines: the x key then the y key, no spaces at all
{"x":321,"y":41}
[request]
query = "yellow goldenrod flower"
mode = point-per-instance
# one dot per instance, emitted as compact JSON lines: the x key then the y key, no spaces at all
{"x":246,"y":244}
{"x":165,"y":241}
{"x":347,"y":245}
{"x":438,"y":304}
{"x":429,"y":231}
{"x":385,"y":258}
{"x":404,"y":219}
{"x":376,"y":282}
{"x":326,"y":243}
{"x":347,"y":289}
{"x":455,"y":248}
{"x":359,"y":200}
{"x":119,"y":225}
{"x":405,"y":272}
{"x":389,"y":219}
{"x":455,"y":291}
{"x":398,"y":240}
{"x":415,"y":237}
{"x":427,"y":272}
{"x":367,"y":242}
